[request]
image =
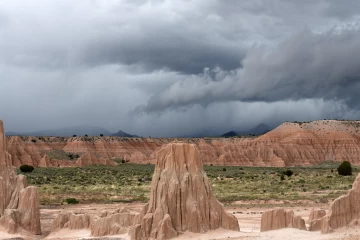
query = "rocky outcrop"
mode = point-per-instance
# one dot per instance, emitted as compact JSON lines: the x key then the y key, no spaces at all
{"x":181,"y":198}
{"x":290,"y":144}
{"x":315,"y":219}
{"x":88,"y":159}
{"x":345,"y":210}
{"x":71,"y":221}
{"x":45,"y":161}
{"x":106,"y":223}
{"x":112,"y":224}
{"x":5,"y":158}
{"x":19,"y":204}
{"x":280,"y":218}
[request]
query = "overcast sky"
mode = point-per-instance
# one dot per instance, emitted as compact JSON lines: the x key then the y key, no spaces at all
{"x":176,"y":67}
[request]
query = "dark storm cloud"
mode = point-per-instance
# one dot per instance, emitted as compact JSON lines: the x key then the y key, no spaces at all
{"x":306,"y":66}
{"x":220,"y":65}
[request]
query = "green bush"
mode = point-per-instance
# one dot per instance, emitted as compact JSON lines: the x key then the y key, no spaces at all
{"x":345,"y":169}
{"x":26,"y":168}
{"x":71,"y":201}
{"x":282,"y":177}
{"x":288,"y":173}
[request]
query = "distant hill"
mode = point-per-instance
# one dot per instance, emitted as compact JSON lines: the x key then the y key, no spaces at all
{"x":65,"y":132}
{"x":258,"y":130}
{"x":123,"y":134}
{"x":230,"y":134}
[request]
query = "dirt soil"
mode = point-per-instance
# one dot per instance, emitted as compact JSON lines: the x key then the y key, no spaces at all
{"x":248,"y":217}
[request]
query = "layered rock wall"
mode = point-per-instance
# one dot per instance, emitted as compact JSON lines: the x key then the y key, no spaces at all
{"x":291,"y":144}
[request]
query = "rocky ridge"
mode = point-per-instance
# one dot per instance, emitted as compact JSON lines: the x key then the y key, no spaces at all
{"x":290,"y":144}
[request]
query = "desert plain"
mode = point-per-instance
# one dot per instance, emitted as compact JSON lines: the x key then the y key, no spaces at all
{"x":294,"y":168}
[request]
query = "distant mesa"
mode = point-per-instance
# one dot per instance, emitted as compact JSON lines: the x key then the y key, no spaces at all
{"x":230,"y":134}
{"x":123,"y":134}
{"x":258,"y":130}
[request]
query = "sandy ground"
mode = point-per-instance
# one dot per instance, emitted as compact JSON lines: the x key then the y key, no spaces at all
{"x":248,"y":217}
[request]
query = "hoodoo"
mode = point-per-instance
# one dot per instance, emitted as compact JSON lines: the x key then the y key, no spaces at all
{"x":344,"y":211}
{"x":19,"y":204}
{"x":181,"y":198}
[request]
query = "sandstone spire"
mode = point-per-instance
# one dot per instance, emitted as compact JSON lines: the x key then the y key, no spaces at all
{"x":19,"y":204}
{"x":181,"y":198}
{"x":5,"y":158}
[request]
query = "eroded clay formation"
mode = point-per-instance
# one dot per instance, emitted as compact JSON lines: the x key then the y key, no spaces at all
{"x":315,"y":219}
{"x":344,"y":211}
{"x":19,"y":204}
{"x":107,"y":223}
{"x":181,"y":198}
{"x":290,"y":144}
{"x":281,"y":218}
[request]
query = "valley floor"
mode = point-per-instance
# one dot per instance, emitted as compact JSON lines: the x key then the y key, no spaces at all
{"x":247,"y":215}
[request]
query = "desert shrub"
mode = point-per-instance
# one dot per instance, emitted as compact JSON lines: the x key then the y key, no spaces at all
{"x":33,"y":140}
{"x":345,"y":169}
{"x":26,"y":168}
{"x":71,"y":201}
{"x":74,"y":135}
{"x":101,"y":135}
{"x":282,"y":177}
{"x":224,"y":169}
{"x":288,"y":173}
{"x":86,"y":135}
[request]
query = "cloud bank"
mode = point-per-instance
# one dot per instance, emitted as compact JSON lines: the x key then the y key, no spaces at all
{"x":175,"y":68}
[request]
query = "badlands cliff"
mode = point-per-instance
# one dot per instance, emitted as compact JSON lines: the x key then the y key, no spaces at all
{"x":290,"y":144}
